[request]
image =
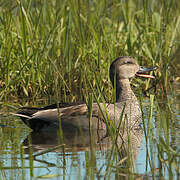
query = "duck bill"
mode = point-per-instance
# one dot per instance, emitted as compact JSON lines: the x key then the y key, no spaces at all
{"x":143,"y":70}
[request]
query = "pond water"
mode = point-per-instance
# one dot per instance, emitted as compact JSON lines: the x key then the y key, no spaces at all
{"x":28,"y":155}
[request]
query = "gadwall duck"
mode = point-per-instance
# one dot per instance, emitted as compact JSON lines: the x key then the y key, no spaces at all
{"x":76,"y":116}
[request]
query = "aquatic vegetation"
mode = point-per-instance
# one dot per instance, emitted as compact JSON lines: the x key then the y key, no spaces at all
{"x":62,"y":50}
{"x":47,"y":46}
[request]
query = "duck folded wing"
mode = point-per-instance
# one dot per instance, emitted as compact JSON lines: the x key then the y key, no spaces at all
{"x":76,"y":116}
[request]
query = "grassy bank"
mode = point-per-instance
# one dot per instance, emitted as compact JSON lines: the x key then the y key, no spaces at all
{"x":52,"y":47}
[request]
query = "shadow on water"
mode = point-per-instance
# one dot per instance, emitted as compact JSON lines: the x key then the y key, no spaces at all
{"x":92,"y":144}
{"x":80,"y":154}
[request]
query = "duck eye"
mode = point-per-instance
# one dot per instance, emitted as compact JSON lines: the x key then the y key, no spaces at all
{"x":129,"y":62}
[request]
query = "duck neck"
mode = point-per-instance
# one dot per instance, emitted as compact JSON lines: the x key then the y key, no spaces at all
{"x":123,"y":91}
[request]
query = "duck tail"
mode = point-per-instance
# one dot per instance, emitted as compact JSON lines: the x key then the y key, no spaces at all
{"x":21,"y":115}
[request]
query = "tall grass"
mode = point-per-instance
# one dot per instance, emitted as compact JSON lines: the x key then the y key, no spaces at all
{"x":64,"y":48}
{"x":50,"y":47}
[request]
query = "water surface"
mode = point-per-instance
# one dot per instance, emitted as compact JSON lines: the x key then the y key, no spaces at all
{"x":155,"y":154}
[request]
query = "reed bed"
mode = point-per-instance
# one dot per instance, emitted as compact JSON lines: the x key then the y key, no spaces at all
{"x":63,"y":49}
{"x":51,"y":48}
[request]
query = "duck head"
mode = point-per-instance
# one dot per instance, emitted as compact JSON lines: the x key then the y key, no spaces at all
{"x":126,"y":67}
{"x":122,"y":69}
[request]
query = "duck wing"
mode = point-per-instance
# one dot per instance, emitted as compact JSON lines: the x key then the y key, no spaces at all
{"x":75,"y":116}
